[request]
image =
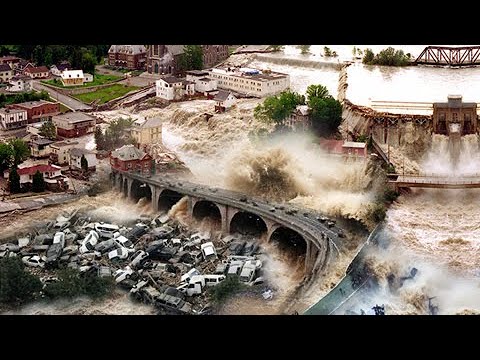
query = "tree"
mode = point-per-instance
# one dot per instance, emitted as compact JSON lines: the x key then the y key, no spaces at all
{"x":16,"y":285}
{"x":38,"y":183}
{"x":48,"y":130}
{"x":192,"y":58}
{"x":304,"y":49}
{"x":88,"y":62}
{"x":21,"y":151}
{"x":72,"y":283}
{"x":6,"y":156}
{"x":14,"y":180}
{"x":277,"y":108}
{"x":99,"y":138}
{"x":318,"y":91}
{"x":276,"y":47}
{"x":326,"y":114}
{"x":368,"y":56}
{"x":327,"y":51}
{"x":38,"y":54}
{"x":48,"y":56}
{"x":84,"y":163}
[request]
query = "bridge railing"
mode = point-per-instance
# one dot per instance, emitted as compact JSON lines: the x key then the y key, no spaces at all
{"x":433,"y":175}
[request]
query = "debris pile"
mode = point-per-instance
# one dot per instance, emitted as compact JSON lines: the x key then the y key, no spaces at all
{"x":157,"y":260}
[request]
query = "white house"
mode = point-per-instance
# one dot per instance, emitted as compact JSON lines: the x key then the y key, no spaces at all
{"x":52,"y":175}
{"x":58,"y":69}
{"x":203,"y":84}
{"x":20,"y":83}
{"x":72,"y":77}
{"x":76,"y":158}
{"x":59,"y":151}
{"x":171,"y":88}
{"x":13,"y":118}
{"x":88,"y":77}
{"x":224,"y":100}
{"x":252,"y":82}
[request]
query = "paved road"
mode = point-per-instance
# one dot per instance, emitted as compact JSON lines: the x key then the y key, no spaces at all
{"x":68,"y":101}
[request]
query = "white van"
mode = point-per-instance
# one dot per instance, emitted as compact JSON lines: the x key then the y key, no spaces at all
{"x":212,"y":280}
{"x":106,"y":230}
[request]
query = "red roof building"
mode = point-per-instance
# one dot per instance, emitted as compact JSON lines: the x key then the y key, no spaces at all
{"x":37,"y":72}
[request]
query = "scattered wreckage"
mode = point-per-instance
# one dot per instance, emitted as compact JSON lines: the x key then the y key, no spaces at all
{"x":156,"y":260}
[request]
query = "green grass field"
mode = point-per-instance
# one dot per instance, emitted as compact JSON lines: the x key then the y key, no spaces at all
{"x":106,"y":94}
{"x":97,"y":80}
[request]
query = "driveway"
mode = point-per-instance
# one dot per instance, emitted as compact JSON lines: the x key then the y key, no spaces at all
{"x":68,"y":101}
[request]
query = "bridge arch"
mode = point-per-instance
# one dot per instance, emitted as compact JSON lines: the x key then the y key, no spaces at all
{"x":247,"y":223}
{"x":290,"y":242}
{"x":207,"y":209}
{"x":167,"y":199}
{"x":140,"y":190}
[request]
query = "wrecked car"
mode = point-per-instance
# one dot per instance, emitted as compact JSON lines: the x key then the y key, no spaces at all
{"x":120,"y":253}
{"x":34,"y":261}
{"x":106,"y":230}
{"x":122,"y":274}
{"x":209,"y":252}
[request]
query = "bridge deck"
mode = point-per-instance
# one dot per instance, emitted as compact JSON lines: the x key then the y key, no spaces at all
{"x":442,"y":182}
{"x":303,"y":222}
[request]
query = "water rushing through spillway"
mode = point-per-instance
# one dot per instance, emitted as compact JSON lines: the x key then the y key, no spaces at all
{"x":436,"y":231}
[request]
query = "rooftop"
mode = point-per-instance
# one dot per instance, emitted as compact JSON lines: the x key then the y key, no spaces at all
{"x":175,"y":49}
{"x":74,"y":117}
{"x":42,"y":168}
{"x":353,"y":144}
{"x":128,"y":49}
{"x":171,"y":79}
{"x":11,"y":111}
{"x":64,"y":143}
{"x":197,"y":72}
{"x":150,"y":123}
{"x":79,"y":152}
{"x":69,"y":74}
{"x":32,"y":104}
{"x":254,"y":74}
{"x":5,"y":67}
{"x":38,"y":69}
{"x":128,"y":152}
{"x":42,"y":141}
{"x":222,"y":95}
{"x":9,"y":58}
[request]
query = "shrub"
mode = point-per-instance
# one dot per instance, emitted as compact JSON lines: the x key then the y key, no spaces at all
{"x":17,"y":285}
{"x":228,"y":287}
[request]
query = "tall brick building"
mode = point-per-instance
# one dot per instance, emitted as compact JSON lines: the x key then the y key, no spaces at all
{"x":164,"y":59}
{"x":131,"y":57}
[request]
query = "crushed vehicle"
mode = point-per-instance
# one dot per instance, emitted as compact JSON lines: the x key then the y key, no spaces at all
{"x":137,"y":258}
{"x":250,"y":248}
{"x":88,"y":244}
{"x":106,"y":230}
{"x":59,"y":238}
{"x":34,"y":261}
{"x":236,"y":247}
{"x":172,"y":304}
{"x":120,"y":253}
{"x":209,"y":252}
{"x":122,"y":241}
{"x":10,"y":247}
{"x":122,"y":274}
{"x":105,"y":245}
{"x":248,"y":272}
{"x":53,"y":255}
